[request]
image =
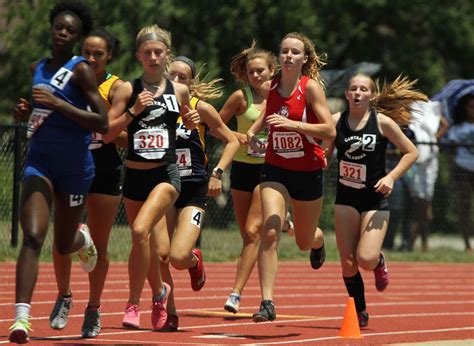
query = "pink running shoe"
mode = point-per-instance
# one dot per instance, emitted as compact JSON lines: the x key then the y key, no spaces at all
{"x":197,"y":274}
{"x":381,"y":274}
{"x":159,"y":315}
{"x":131,"y":319}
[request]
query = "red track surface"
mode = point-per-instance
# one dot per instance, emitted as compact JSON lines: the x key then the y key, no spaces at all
{"x":424,"y":302}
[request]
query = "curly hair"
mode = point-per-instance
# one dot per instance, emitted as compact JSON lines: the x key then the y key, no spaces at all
{"x":315,"y":62}
{"x":111,"y":41}
{"x":238,"y":64}
{"x":394,"y":99}
{"x":77,"y":8}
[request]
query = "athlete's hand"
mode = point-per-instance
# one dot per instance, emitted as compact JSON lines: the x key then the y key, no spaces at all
{"x":256,"y":144}
{"x":384,"y":186}
{"x":145,"y":98}
{"x":46,"y":98}
{"x":214,"y":187}
{"x":191,"y":118}
{"x":279,"y":121}
{"x":22,"y":110}
{"x":241,"y":138}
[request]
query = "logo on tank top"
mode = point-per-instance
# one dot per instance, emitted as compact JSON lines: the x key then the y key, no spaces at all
{"x":365,"y":143}
{"x":284,"y":111}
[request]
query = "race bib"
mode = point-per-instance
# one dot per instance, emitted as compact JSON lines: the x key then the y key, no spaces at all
{"x":37,"y":118}
{"x":96,"y":141}
{"x":262,"y":144}
{"x":151,"y":144}
{"x":288,"y":144}
{"x":352,"y":174}
{"x":183,"y":161}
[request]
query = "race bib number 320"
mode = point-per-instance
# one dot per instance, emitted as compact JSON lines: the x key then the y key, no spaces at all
{"x":151,"y":143}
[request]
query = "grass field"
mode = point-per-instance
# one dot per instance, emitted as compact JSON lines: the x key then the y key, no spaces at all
{"x":225,"y":245}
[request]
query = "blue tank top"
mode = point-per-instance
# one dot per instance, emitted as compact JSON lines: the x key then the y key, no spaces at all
{"x":50,"y":126}
{"x":191,"y":158}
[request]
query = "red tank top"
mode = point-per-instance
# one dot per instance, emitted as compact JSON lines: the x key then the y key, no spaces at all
{"x":287,"y":148}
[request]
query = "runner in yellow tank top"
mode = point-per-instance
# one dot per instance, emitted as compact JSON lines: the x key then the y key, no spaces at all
{"x":252,"y":67}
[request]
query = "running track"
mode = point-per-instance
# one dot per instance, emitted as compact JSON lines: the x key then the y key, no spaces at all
{"x":424,"y":302}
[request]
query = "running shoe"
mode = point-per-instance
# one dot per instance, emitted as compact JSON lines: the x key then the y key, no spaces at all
{"x":381,"y":274}
{"x":197,"y":274}
{"x":288,"y":226}
{"x":317,"y":257}
{"x":171,"y":324}
{"x":233,"y":303}
{"x":266,"y":312}
{"x":363,"y":318}
{"x":91,"y":324}
{"x":59,"y":316}
{"x":88,"y":254}
{"x":159,"y":315}
{"x":19,"y":331}
{"x":131,"y":319}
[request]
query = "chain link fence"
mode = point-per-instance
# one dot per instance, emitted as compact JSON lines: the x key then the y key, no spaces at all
{"x":450,"y":206}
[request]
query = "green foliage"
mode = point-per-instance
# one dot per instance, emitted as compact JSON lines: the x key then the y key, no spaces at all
{"x":432,"y":43}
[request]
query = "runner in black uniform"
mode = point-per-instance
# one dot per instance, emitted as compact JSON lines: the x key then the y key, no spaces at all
{"x":149,"y":107}
{"x":361,"y":211}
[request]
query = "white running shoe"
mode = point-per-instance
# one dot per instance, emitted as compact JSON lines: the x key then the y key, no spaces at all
{"x":88,"y":253}
{"x":233,"y":303}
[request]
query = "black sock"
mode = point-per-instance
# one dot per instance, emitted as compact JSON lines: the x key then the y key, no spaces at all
{"x":381,"y":261}
{"x":355,"y":288}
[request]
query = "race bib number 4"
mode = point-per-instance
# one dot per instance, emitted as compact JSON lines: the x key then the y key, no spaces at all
{"x":37,"y":118}
{"x":183,"y":161}
{"x":151,"y":144}
{"x":352,"y":174}
{"x":288,"y":144}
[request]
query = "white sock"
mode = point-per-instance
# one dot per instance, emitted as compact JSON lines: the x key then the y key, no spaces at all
{"x":22,"y":311}
{"x":87,"y":239}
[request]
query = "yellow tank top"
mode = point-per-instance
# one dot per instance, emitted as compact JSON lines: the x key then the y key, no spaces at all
{"x":244,"y":122}
{"x":105,"y":86}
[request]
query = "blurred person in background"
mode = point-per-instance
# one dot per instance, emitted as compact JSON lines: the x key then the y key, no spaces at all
{"x":462,"y":165}
{"x":428,"y":127}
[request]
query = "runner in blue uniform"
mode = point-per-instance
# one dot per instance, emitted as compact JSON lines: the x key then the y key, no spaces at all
{"x":59,"y":167}
{"x":103,"y":198}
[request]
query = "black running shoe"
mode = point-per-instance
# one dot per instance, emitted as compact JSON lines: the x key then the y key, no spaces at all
{"x":317,"y":257}
{"x":266,"y":312}
{"x":363,"y":318}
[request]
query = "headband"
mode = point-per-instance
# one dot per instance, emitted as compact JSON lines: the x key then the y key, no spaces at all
{"x":189,"y":62}
{"x":149,"y":37}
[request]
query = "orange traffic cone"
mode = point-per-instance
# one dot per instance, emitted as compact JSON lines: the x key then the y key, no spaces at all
{"x":350,"y":324}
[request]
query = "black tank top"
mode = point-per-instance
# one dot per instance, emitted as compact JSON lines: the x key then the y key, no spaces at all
{"x":360,"y":154}
{"x":152,"y":134}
